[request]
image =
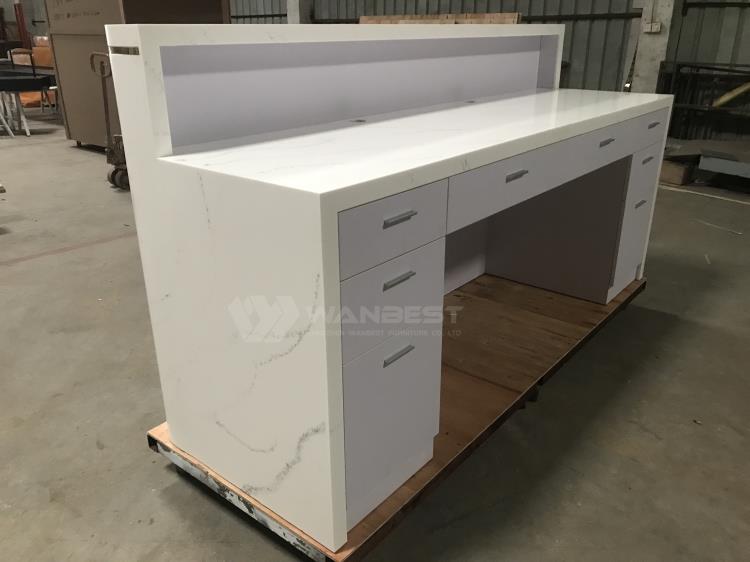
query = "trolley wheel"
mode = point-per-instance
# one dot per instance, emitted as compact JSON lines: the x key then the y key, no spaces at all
{"x":123,"y":180}
{"x":118,"y":177}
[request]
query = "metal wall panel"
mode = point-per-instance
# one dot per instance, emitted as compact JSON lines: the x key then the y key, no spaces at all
{"x":709,"y":45}
{"x":594,"y":47}
{"x":258,"y":11}
{"x":710,"y":33}
{"x":36,"y":17}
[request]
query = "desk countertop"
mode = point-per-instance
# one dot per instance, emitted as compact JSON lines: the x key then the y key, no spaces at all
{"x":452,"y":137}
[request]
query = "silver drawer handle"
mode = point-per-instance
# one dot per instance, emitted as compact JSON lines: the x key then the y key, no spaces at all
{"x":640,"y":203}
{"x":654,"y":124}
{"x":647,"y":160}
{"x":398,"y":219}
{"x":606,"y":142}
{"x":398,"y":280}
{"x":515,"y":175}
{"x":396,"y":356}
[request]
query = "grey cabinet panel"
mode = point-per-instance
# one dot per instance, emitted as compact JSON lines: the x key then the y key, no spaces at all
{"x":392,"y":298}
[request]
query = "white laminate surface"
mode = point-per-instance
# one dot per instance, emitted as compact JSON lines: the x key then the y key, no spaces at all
{"x":447,"y":139}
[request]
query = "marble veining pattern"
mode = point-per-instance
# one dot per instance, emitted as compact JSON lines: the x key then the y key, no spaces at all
{"x":255,"y":490}
{"x":243,"y":399}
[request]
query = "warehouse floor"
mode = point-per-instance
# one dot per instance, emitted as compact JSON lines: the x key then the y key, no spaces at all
{"x":638,"y":449}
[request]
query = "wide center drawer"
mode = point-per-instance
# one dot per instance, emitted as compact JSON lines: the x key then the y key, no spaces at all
{"x":403,"y":295}
{"x":378,"y":231}
{"x":479,"y":193}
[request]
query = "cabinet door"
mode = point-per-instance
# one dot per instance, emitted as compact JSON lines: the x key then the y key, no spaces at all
{"x":636,"y":218}
{"x":391,"y":411}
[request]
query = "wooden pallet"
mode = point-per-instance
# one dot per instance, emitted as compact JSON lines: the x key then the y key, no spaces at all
{"x":508,"y":339}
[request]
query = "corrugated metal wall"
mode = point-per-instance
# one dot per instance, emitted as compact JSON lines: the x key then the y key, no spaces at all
{"x":710,"y":34}
{"x":596,"y":31}
{"x":34,"y":11}
{"x":711,"y":42}
{"x":258,"y":11}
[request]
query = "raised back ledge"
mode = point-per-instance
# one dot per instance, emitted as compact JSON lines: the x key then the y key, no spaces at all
{"x":275,"y":78}
{"x":162,"y":35}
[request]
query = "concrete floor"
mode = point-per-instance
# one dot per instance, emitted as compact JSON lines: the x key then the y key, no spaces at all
{"x":637,"y":450}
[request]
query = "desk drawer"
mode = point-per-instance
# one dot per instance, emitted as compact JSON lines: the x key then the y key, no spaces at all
{"x":391,"y":410}
{"x":479,"y":193}
{"x":482,"y":192}
{"x":644,"y":171}
{"x":378,"y":231}
{"x":650,"y":128}
{"x":402,"y":295}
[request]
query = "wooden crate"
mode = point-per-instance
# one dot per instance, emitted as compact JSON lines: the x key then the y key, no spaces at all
{"x":676,"y":173}
{"x":499,"y":17}
{"x":487,"y":375}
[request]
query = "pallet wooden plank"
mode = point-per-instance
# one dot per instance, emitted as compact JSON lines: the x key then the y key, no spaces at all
{"x":547,"y":303}
{"x":474,"y":401}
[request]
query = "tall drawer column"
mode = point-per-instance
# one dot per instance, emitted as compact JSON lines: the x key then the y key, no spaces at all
{"x":392,"y":266}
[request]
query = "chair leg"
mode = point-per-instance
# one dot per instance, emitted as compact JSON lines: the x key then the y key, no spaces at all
{"x":5,"y":125}
{"x":14,"y":117}
{"x":56,"y":106}
{"x":22,"y":123}
{"x":3,"y":112}
{"x":5,"y":107}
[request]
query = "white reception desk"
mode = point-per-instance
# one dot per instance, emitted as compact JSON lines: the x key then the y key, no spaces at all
{"x":305,"y":198}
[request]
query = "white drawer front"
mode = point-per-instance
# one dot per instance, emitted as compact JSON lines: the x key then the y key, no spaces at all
{"x":602,"y":146}
{"x":391,"y":409}
{"x":649,"y":129}
{"x":403,"y":295}
{"x":378,"y":231}
{"x":479,"y":193}
{"x":636,"y":218}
